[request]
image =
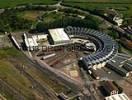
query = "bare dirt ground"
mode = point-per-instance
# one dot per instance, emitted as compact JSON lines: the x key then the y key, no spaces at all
{"x":126,"y":84}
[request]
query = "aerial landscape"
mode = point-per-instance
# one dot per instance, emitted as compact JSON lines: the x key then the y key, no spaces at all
{"x":65,"y":49}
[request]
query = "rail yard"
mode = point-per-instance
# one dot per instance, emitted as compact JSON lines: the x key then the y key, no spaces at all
{"x":65,"y":50}
{"x":67,"y":58}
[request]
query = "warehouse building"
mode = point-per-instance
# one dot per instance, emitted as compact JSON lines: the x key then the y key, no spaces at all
{"x":121,"y":71}
{"x":128,"y":67}
{"x":121,"y":64}
{"x":32,"y":43}
{"x":58,"y":36}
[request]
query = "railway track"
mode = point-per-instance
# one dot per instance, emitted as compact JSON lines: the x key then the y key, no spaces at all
{"x":70,"y":84}
{"x":43,"y":89}
{"x":17,"y":95}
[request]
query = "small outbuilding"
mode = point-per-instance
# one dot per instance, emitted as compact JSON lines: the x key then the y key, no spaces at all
{"x":121,"y":96}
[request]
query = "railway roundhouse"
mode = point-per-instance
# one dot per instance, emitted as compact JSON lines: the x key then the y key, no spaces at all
{"x":107,"y":48}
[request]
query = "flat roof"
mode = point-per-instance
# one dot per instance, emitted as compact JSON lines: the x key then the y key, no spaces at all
{"x":32,"y":42}
{"x":38,"y":37}
{"x":59,"y":34}
{"x":121,"y":96}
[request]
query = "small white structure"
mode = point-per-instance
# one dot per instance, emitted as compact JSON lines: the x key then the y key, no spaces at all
{"x":48,"y":56}
{"x":32,"y":42}
{"x":121,"y":96}
{"x":90,"y":46}
{"x":15,"y":42}
{"x":114,"y":16}
{"x":39,"y":37}
{"x":118,"y":20}
{"x":59,"y":36}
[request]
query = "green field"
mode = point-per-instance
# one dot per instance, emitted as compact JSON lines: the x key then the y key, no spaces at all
{"x":123,"y":6}
{"x":106,"y":1}
{"x":13,"y":3}
{"x":30,"y":15}
{"x":10,"y":75}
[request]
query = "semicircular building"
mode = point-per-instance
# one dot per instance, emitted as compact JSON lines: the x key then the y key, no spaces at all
{"x":107,"y":48}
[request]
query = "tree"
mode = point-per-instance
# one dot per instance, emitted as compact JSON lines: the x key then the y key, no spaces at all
{"x":40,"y":27}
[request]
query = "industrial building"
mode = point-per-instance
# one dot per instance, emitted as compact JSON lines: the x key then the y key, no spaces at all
{"x":121,"y":71}
{"x":106,"y":47}
{"x":32,"y":43}
{"x":58,"y":36}
{"x":111,"y":15}
{"x":128,"y":67}
{"x":121,"y":64}
{"x":103,"y":46}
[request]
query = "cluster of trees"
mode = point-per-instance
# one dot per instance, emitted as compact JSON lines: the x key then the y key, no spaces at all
{"x":34,"y":7}
{"x":68,"y":21}
{"x":113,"y":34}
{"x":9,"y":21}
{"x":73,"y":11}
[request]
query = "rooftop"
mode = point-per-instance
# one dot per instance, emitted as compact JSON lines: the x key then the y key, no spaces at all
{"x":121,"y":96}
{"x":58,"y":34}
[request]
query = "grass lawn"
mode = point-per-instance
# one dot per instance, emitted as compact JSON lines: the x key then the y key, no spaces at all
{"x":50,"y":17}
{"x":9,"y":52}
{"x":11,"y":75}
{"x":14,"y":78}
{"x":13,"y":3}
{"x":106,"y":1}
{"x":30,"y":15}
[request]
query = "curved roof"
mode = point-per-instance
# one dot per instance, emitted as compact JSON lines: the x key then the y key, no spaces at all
{"x":107,"y":47}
